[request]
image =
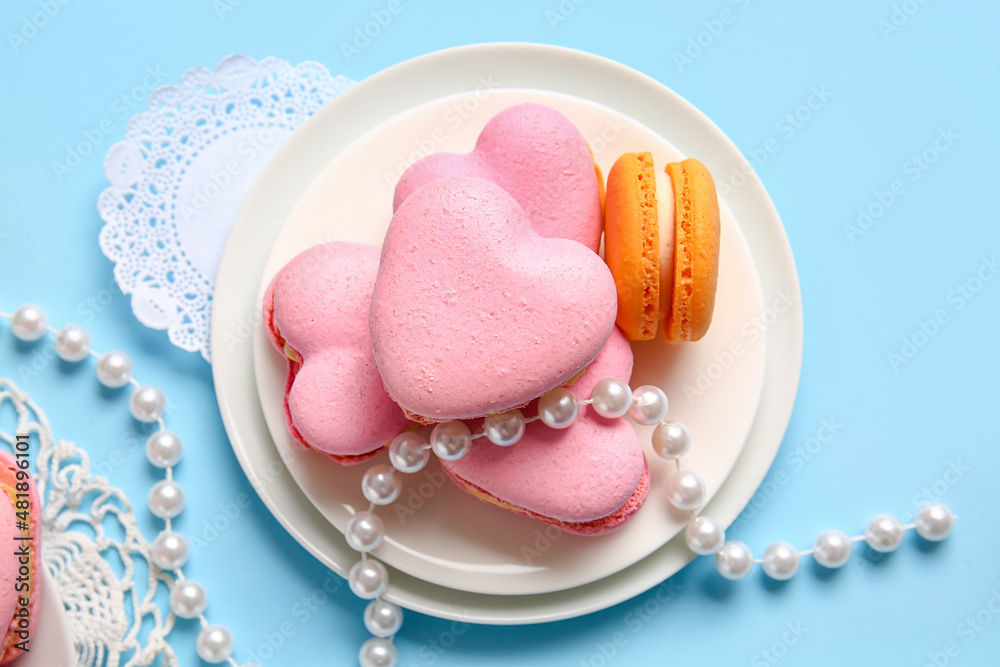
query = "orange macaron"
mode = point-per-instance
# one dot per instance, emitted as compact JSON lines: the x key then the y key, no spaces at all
{"x":662,"y":245}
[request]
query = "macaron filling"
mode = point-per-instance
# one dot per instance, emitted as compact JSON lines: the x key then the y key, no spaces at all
{"x":665,"y":223}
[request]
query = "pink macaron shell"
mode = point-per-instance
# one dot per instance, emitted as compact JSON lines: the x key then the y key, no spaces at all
{"x":10,"y":569}
{"x":473,"y":312}
{"x":8,"y":565}
{"x":580,"y":474}
{"x":321,"y":296}
{"x":355,"y":414}
{"x":599,"y":526}
{"x":615,"y":360}
{"x":537,"y":155}
{"x":317,"y":305}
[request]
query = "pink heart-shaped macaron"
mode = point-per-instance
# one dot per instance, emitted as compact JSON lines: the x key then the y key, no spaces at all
{"x":21,"y":566}
{"x":316,"y":314}
{"x":587,"y":479}
{"x":474,"y":312}
{"x":537,"y":155}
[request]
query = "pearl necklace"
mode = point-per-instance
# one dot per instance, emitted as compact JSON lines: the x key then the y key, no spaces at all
{"x":410,"y":451}
{"x":612,"y":398}
{"x":147,"y":403}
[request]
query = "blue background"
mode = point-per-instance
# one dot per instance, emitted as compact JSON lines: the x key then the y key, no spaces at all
{"x":904,"y":426}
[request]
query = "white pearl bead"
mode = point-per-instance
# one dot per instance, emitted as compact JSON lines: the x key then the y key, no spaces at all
{"x":377,"y":652}
{"x":381,"y":485}
{"x":884,"y":533}
{"x":832,"y":549}
{"x":170,"y":550}
{"x":147,"y":403}
{"x":504,"y":428}
{"x":368,"y":579}
{"x":215,"y":644}
{"x":188,"y":599}
{"x":72,"y":343}
{"x":685,"y":490}
{"x":114,"y":369}
{"x":671,"y":440}
{"x":166,"y":499}
{"x":734,"y":560}
{"x":558,"y":408}
{"x":451,"y":440}
{"x":704,"y":536}
{"x":29,"y":322}
{"x":780,"y":561}
{"x":649,"y":405}
{"x":934,"y":522}
{"x":409,"y":452}
{"x":364,"y":531}
{"x":611,"y":398}
{"x":383,"y":619}
{"x":164,"y":449}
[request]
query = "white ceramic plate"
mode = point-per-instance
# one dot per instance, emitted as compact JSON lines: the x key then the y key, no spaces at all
{"x":284,"y":184}
{"x":435,"y":531}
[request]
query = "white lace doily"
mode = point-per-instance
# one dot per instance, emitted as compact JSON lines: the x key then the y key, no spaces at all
{"x":181,"y":174}
{"x":105,"y":606}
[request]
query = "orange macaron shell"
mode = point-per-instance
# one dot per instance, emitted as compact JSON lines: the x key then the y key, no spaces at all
{"x":696,"y":254}
{"x":631,"y":243}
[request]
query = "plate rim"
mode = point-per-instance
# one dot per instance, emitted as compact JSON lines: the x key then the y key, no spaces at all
{"x":407,"y":84}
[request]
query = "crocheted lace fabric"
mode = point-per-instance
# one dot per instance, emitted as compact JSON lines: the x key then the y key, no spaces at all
{"x":86,"y":526}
